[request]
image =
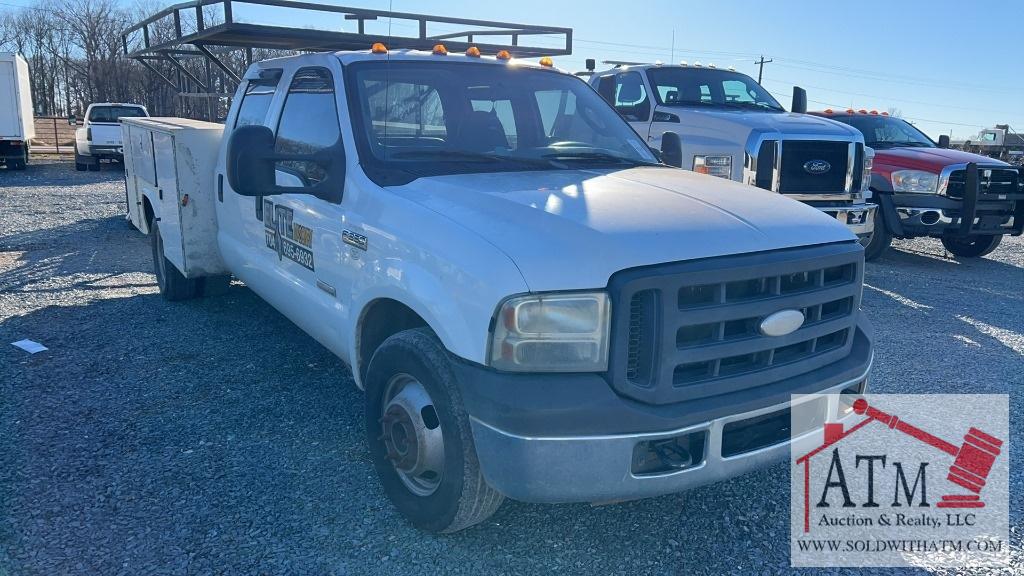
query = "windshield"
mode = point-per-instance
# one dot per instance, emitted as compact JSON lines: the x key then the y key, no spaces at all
{"x":114,"y":113}
{"x":433,"y":118}
{"x":881,"y":132}
{"x":709,"y":88}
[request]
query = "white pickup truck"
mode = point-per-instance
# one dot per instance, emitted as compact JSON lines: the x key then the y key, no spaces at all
{"x":535,"y":307}
{"x":99,"y":138}
{"x":725,"y":124}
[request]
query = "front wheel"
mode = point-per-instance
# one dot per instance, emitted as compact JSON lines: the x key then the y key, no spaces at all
{"x":971,"y":246}
{"x":878,"y":242}
{"x":419,"y":436}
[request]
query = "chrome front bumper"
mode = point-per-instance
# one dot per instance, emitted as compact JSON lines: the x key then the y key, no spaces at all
{"x":934,"y":217}
{"x":859,"y":218}
{"x":599,"y":468}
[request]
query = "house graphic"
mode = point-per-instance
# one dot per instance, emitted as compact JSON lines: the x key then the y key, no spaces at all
{"x":972,"y":462}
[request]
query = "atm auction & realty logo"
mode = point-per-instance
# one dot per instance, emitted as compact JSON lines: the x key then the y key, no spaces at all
{"x":900,"y":480}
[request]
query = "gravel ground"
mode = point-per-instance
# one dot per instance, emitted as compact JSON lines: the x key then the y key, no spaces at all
{"x":215,"y":437}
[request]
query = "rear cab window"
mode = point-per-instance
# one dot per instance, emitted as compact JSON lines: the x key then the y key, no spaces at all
{"x":113,"y":114}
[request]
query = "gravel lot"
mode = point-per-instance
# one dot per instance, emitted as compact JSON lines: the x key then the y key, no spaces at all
{"x":215,"y":437}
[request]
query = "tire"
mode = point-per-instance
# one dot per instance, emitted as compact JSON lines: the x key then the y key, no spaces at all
{"x":879,"y":242}
{"x":974,"y":246}
{"x":80,"y":164}
{"x":172,"y":283}
{"x":80,"y":167}
{"x":94,"y":166}
{"x":405,"y":368}
{"x":16,"y":164}
{"x":215,"y":285}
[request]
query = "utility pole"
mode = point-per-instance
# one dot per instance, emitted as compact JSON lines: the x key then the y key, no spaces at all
{"x":760,"y":70}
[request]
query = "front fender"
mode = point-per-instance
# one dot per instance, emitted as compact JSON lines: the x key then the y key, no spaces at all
{"x":458,"y":309}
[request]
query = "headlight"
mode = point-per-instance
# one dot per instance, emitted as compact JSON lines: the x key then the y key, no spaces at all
{"x":869,"y":162}
{"x":915,"y":181}
{"x":565,"y":332}
{"x":720,"y":166}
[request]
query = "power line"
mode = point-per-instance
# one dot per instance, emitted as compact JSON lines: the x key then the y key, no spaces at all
{"x":971,"y":108}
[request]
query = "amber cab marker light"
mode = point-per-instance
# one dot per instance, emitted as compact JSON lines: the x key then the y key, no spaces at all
{"x":440,"y":50}
{"x":874,"y":112}
{"x":504,"y":55}
{"x":849,"y":110}
{"x":862,"y":111}
{"x":546,"y":62}
{"x":473,"y":51}
{"x":828,"y":111}
{"x":885,"y":113}
{"x":379,"y":48}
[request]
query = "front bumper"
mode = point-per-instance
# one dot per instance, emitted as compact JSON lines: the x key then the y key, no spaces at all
{"x":859,"y":218}
{"x":977,"y":212}
{"x":571,"y":438}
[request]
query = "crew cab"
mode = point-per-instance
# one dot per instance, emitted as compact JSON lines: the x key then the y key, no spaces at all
{"x":99,"y":138}
{"x":535,"y":307}
{"x":924,"y":188}
{"x":723,"y":123}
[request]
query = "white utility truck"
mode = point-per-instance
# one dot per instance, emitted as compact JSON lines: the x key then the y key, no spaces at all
{"x":99,"y":138}
{"x":535,"y":307}
{"x":723,"y":123}
{"x":17,"y":127}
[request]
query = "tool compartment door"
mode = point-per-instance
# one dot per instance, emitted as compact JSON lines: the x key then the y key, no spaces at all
{"x":167,"y":196}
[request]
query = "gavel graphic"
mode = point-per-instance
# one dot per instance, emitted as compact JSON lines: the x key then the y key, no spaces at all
{"x":972,"y":462}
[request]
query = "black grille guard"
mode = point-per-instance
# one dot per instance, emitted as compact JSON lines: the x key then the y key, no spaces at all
{"x":973,"y":195}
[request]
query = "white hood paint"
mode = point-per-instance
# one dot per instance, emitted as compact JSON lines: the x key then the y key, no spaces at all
{"x":745,"y":121}
{"x":573,"y":229}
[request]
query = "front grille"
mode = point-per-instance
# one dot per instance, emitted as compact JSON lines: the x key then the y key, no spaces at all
{"x":692,"y":329}
{"x":993,"y":182}
{"x":794,"y":179}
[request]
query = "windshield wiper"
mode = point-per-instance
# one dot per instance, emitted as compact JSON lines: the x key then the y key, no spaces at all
{"x":598,"y":156}
{"x":893,"y":144}
{"x":467,"y":155}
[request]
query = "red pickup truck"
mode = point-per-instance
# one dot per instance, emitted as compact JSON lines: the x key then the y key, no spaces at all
{"x":923,"y":188}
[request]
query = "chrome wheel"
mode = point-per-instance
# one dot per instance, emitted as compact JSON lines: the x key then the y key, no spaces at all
{"x":411,"y":432}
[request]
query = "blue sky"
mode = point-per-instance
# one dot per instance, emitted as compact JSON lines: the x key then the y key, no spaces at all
{"x":941,"y":63}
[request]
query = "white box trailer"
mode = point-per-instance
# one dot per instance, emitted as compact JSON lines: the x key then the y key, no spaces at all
{"x":169,"y":165}
{"x":17,"y":127}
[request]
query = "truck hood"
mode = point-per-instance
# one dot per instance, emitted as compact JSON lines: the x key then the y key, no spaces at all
{"x":573,"y":229}
{"x":784,"y":123}
{"x":929,"y":159}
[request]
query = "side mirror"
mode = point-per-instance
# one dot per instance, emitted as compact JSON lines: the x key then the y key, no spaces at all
{"x":944,"y":141}
{"x":591,"y":64}
{"x":251,"y":166}
{"x":799,"y":100}
{"x":672,"y":149}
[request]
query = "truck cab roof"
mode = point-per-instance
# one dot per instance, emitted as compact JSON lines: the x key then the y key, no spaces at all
{"x":409,"y":55}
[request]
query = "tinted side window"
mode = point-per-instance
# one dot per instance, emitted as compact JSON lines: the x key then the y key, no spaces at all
{"x":256,"y":101}
{"x":309,"y":122}
{"x":631,"y":97}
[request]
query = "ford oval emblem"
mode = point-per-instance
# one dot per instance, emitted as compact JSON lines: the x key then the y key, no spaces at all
{"x":782,"y":322}
{"x":817,"y":166}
